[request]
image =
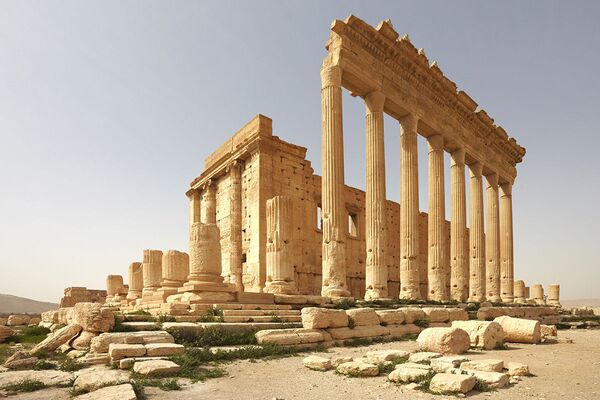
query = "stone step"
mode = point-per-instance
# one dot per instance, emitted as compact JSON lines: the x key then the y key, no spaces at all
{"x":252,"y":313}
{"x":141,"y":326}
{"x":263,"y":318}
{"x":251,"y":306}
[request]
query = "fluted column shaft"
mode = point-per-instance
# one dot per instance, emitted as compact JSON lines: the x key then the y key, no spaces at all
{"x":492,"y":240}
{"x":437,"y":262}
{"x":175,"y":268}
{"x":506,"y":244}
{"x":235,"y":231}
{"x":376,"y":275}
{"x":476,"y":235}
{"x":136,"y":281}
{"x":409,"y":210}
{"x":194,"y":197}
{"x":332,"y":185}
{"x":280,"y":246}
{"x":152,"y":270}
{"x":209,"y":204}
{"x":459,"y":256}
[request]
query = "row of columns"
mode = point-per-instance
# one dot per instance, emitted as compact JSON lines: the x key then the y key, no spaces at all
{"x":483,"y":271}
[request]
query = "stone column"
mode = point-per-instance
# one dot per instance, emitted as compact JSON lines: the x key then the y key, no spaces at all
{"x":209,"y":203}
{"x":194,"y":196}
{"x":554,"y":295}
{"x":409,"y":210}
{"x":459,"y":253}
{"x":506,"y":244}
{"x":152,"y":268}
{"x":235,"y":228}
{"x":332,"y":185}
{"x":205,"y":283}
{"x":280,"y":246}
{"x":114,"y":285}
{"x":492,"y":239}
{"x":136,"y":281}
{"x":175,"y":270}
{"x":437,"y":262}
{"x":537,"y":293}
{"x":476,"y":235}
{"x":519,"y":292}
{"x":376,"y":275}
{"x":527,"y":293}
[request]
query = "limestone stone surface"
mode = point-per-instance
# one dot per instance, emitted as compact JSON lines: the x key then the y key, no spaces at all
{"x":319,"y":318}
{"x":494,"y":380}
{"x":317,"y":363}
{"x":446,"y":363}
{"x":518,"y":330}
{"x":423,"y":356}
{"x":412,"y":314}
{"x":152,"y":270}
{"x":136,"y":281}
{"x":92,"y":317}
{"x":489,"y":365}
{"x":358,"y":332}
{"x":292,"y":336}
{"x":451,"y":383}
{"x":377,"y":356}
{"x":357,"y":368}
{"x":100,"y":343}
{"x":280,"y":246}
{"x":93,"y":378}
{"x":163,"y":349}
{"x":119,"y":392}
{"x":406,"y":374}
{"x":363,"y":316}
{"x":175,"y":269}
{"x":56,"y":339}
{"x":118,"y":351}
{"x":337,"y":360}
{"x":156,"y":367}
{"x":47,"y":377}
{"x":83,"y":340}
{"x":483,"y":334}
{"x":477,"y":263}
{"x":435,"y":314}
{"x":4,"y":333}
{"x":517,"y":369}
{"x":20,"y":360}
{"x":444,"y":340}
{"x":403,"y":329}
{"x":390,"y":317}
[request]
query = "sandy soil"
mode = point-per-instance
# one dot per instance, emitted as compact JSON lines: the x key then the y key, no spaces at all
{"x":565,"y":371}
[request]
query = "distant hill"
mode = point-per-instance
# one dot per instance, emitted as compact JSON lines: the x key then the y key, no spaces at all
{"x":581,"y":303}
{"x":10,"y":304}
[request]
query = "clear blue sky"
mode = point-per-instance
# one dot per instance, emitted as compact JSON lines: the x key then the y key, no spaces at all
{"x":108,"y":109}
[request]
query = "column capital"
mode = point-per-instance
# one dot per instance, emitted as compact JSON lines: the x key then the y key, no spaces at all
{"x":331,"y":76}
{"x":476,"y":168}
{"x":374,"y":102}
{"x":192,"y":193}
{"x":409,"y":123}
{"x":209,"y":184}
{"x":458,"y":157}
{"x":506,"y":188}
{"x":436,"y":142}
{"x":492,"y":179}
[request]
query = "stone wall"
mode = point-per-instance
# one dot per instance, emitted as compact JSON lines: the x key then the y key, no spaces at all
{"x":273,"y":167}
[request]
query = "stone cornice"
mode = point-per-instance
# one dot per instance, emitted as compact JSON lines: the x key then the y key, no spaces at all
{"x":394,"y":61}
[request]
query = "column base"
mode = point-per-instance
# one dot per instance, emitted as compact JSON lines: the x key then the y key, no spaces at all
{"x":208,"y":297}
{"x":336,"y":293}
{"x":508,"y":299}
{"x":376,"y":294}
{"x":410,"y":294}
{"x":280,"y":287}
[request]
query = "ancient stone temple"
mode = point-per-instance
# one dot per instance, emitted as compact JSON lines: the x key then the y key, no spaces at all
{"x":264,"y":226}
{"x":340,"y":241}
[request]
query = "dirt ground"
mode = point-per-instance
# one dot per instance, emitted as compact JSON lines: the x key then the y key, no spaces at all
{"x":565,"y":371}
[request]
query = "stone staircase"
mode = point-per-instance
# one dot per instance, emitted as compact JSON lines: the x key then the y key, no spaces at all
{"x":259,"y":313}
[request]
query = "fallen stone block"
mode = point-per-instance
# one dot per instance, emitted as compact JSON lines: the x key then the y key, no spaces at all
{"x":83,"y":340}
{"x":412,"y":314}
{"x":423,"y":356}
{"x":357,"y":369}
{"x":335,"y":361}
{"x":92,"y":317}
{"x":95,"y":358}
{"x":156,"y":368}
{"x":377,"y":356}
{"x":548,"y":330}
{"x":444,"y":340}
{"x":457,"y":314}
{"x":517,"y":369}
{"x":446,"y":363}
{"x":100,"y":343}
{"x":99,"y":376}
{"x":451,"y":383}
{"x":494,"y":380}
{"x":320,"y":318}
{"x":21,"y":360}
{"x":358,"y":332}
{"x":404,"y":374}
{"x":517,"y":330}
{"x":413,"y":365}
{"x":363,"y":316}
{"x":317,"y":363}
{"x":47,"y":377}
{"x":119,"y":392}
{"x":56,"y":339}
{"x":292,"y":336}
{"x":127,"y":363}
{"x":118,"y":351}
{"x":482,"y":334}
{"x":163,"y":349}
{"x":488,"y":365}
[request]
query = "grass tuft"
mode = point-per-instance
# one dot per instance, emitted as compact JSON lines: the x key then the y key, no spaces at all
{"x":29,"y":334}
{"x":26,"y":385}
